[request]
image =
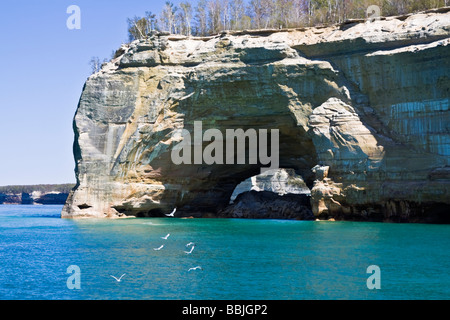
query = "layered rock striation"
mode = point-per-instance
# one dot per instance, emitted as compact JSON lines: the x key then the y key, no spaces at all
{"x":362,"y":111}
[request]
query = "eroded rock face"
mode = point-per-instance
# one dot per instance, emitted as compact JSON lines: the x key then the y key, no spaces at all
{"x":362,"y":112}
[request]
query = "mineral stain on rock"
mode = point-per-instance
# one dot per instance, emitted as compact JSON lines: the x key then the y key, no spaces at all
{"x":363,"y":118}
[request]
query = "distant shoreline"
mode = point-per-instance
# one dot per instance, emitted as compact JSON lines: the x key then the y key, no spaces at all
{"x":48,"y":194}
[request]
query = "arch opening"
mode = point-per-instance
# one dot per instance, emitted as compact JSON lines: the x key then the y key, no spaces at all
{"x":280,"y":181}
{"x":275,"y":194}
{"x":213,"y":187}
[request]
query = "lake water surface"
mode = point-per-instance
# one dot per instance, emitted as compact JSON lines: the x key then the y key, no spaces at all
{"x":241,"y":259}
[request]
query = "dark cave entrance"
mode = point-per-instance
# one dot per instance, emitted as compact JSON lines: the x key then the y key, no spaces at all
{"x":206,"y":189}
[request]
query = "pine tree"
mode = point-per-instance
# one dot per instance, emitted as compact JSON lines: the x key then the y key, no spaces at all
{"x":137,"y":28}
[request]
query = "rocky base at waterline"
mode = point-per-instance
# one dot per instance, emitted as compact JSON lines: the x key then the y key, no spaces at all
{"x":269,"y":205}
{"x":393,"y":211}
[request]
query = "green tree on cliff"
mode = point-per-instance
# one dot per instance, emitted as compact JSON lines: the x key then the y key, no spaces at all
{"x":137,"y":28}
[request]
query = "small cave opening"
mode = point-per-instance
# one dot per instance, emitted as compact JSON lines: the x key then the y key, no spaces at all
{"x":281,"y":181}
{"x":275,"y":194}
{"x":152,"y":213}
{"x":140,"y":212}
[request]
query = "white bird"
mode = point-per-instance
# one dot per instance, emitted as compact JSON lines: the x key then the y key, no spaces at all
{"x":190,"y":244}
{"x":165,"y":238}
{"x":158,"y":248}
{"x":197,"y":267}
{"x":189,"y":252}
{"x":118,"y":280}
{"x":172,"y":213}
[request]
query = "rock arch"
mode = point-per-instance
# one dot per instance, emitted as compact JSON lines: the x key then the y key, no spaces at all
{"x":334,"y":122}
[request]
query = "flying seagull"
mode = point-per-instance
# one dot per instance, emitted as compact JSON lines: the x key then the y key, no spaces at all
{"x":197,"y":267}
{"x":118,"y":280}
{"x":172,"y":213}
{"x":189,"y":252}
{"x":190,"y":244}
{"x":165,"y":238}
{"x":158,"y":248}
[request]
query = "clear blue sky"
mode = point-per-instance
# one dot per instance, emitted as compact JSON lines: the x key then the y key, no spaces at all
{"x":43,"y":68}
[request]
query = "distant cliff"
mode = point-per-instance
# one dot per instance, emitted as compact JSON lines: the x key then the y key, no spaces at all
{"x":35,"y":194}
{"x":362,"y":110}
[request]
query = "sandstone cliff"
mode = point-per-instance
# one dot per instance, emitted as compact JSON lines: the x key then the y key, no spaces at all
{"x":362,"y":111}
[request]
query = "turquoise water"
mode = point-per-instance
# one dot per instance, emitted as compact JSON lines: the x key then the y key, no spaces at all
{"x":241,"y":259}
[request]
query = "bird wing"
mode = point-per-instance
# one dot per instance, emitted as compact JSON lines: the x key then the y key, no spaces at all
{"x":114,"y":277}
{"x":195,"y":268}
